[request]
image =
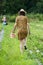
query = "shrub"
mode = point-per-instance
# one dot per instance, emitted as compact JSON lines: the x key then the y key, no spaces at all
{"x":35,"y":16}
{"x":12,"y":18}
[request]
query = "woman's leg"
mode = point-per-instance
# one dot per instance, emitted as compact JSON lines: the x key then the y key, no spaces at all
{"x":21,"y":46}
{"x":24,"y":42}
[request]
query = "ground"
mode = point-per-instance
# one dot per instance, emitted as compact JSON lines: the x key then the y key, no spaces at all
{"x":10,"y":51}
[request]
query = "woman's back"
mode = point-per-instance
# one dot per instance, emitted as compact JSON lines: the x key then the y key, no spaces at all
{"x":21,"y":22}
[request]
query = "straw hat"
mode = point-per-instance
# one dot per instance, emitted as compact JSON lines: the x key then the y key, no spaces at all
{"x":22,"y":10}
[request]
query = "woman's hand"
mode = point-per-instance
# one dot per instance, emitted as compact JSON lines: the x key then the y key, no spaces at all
{"x":12,"y":35}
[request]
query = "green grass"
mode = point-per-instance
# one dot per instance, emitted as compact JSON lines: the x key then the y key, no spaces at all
{"x":10,"y":51}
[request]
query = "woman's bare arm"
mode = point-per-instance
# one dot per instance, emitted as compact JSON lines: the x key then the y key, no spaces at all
{"x":28,"y":28}
{"x":15,"y":25}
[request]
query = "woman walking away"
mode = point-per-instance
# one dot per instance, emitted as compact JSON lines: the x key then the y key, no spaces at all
{"x":22,"y":28}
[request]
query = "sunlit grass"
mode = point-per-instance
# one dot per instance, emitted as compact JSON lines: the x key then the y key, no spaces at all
{"x":10,"y":51}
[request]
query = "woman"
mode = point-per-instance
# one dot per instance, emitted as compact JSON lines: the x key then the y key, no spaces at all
{"x":23,"y":29}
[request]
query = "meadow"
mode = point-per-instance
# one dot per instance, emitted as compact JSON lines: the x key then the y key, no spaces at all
{"x":10,"y":51}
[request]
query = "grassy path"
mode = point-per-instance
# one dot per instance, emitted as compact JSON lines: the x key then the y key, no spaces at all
{"x":10,"y":53}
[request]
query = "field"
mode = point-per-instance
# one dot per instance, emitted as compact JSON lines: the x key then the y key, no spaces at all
{"x":10,"y":51}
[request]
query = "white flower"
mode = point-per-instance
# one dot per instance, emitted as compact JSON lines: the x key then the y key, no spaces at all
{"x":30,"y":51}
{"x":37,"y":51}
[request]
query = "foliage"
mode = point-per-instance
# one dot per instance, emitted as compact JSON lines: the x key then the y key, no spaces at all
{"x":13,"y":6}
{"x":35,"y":16}
{"x":32,"y":16}
{"x":12,"y":18}
{"x":9,"y":18}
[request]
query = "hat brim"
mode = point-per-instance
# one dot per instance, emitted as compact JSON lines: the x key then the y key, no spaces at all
{"x":22,"y":11}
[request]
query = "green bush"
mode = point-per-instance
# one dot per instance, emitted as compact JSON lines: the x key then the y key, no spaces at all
{"x":12,"y":18}
{"x":35,"y":16}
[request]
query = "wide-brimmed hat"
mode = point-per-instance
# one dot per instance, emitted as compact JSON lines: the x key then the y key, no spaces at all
{"x":22,"y":10}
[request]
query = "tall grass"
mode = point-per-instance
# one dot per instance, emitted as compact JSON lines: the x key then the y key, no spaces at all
{"x":10,"y":51}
